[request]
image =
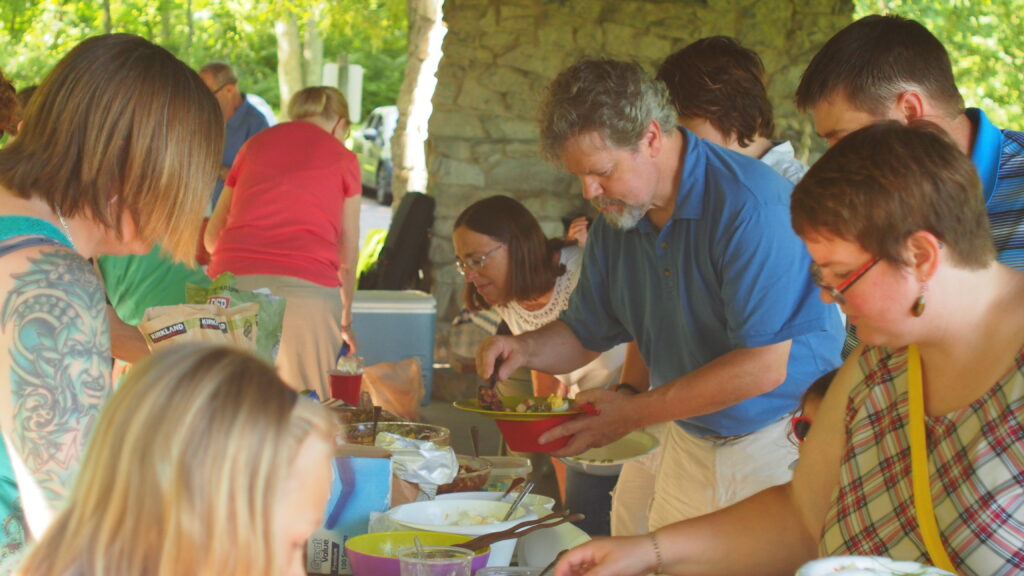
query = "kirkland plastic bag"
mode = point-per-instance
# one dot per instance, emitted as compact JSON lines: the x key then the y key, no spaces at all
{"x":165,"y":325}
{"x":222,"y":292}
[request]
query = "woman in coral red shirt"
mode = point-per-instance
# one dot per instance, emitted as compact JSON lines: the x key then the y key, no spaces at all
{"x":288,"y":220}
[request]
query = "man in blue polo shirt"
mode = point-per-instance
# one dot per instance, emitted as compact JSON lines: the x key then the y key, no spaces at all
{"x":695,"y":259}
{"x":891,"y":68}
{"x":242,"y":119}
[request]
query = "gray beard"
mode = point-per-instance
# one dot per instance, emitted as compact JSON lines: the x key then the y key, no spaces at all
{"x":627,"y":219}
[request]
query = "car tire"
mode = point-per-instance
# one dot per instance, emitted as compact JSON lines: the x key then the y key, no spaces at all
{"x":384,"y":196}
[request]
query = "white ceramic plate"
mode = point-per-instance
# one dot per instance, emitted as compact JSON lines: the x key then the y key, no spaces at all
{"x":867,"y":566}
{"x":608,"y":460}
{"x":530,"y":502}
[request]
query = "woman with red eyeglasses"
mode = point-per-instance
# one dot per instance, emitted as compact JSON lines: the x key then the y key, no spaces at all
{"x":288,"y":220}
{"x":917,"y":449}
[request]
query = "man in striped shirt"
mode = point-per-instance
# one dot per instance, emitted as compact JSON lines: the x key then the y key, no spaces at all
{"x":891,"y":68}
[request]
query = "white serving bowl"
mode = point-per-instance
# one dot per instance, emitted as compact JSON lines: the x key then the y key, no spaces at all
{"x":608,"y":460}
{"x":531,"y":502}
{"x":866,"y":566}
{"x":443,"y":516}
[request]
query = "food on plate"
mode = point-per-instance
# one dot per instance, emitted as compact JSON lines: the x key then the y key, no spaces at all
{"x":472,"y":476}
{"x":489,"y":400}
{"x":363,"y":433}
{"x":467,"y":518}
{"x":552,"y":403}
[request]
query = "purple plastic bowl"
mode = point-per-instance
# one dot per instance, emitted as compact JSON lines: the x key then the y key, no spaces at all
{"x":377,"y":554}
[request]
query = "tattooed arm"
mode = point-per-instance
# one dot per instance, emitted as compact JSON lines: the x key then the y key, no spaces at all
{"x":53,"y":323}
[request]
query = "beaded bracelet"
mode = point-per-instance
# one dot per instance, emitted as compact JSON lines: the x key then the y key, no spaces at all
{"x":657,"y":552}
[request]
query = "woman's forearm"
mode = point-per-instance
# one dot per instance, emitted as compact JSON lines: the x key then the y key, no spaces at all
{"x":760,"y":535}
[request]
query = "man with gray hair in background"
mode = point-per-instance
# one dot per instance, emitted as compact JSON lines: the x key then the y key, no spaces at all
{"x":695,"y":259}
{"x":242,"y":119}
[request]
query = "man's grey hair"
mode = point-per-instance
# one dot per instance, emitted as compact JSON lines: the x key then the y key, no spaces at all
{"x":222,"y":72}
{"x":616,"y":99}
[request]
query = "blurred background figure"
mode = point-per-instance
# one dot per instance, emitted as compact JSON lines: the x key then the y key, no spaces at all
{"x":242,"y":120}
{"x":117,"y":152}
{"x":511,"y":266}
{"x":288,"y":220}
{"x":189,"y":426}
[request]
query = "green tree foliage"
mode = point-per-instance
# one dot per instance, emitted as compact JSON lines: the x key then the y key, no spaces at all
{"x":985,"y":40}
{"x":34,"y":34}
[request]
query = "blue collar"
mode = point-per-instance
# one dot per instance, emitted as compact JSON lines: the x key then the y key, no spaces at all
{"x":986,"y":152}
{"x":689,"y":201}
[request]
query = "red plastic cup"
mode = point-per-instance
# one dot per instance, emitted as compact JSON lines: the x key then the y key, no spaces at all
{"x":346,"y":387}
{"x":522,"y":435}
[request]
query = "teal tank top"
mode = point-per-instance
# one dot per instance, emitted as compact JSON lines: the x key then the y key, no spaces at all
{"x":31,"y":232}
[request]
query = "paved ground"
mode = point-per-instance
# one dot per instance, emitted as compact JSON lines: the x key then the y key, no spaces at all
{"x":372,"y":215}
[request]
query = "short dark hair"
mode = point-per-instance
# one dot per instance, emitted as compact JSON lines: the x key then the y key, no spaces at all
{"x":723,"y":82}
{"x":886,"y":181}
{"x":222,"y":72}
{"x":873,"y":60}
{"x":819,"y":387}
{"x":613,"y":98}
{"x":532,"y":266}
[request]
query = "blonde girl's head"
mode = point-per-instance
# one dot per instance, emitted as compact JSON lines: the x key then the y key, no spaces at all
{"x":323,"y":102}
{"x":183,"y":471}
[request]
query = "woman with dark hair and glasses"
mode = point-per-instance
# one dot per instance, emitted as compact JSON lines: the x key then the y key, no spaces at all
{"x":917,"y":450}
{"x":510,"y":265}
{"x":288,"y":220}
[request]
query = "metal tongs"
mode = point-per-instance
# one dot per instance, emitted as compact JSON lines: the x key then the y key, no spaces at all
{"x":522,"y":529}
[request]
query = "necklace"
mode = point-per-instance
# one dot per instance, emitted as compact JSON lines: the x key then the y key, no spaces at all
{"x":64,"y":225}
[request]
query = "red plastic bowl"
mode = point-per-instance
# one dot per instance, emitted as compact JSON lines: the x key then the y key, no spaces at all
{"x":521,"y":435}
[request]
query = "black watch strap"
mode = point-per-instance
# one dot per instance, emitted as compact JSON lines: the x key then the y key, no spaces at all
{"x":626,"y":386}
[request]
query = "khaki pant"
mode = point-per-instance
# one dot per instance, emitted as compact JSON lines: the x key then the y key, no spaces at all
{"x":631,"y":499}
{"x":698,"y":476}
{"x":311,"y":335}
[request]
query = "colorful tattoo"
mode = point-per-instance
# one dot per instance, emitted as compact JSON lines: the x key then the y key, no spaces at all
{"x":60,"y":364}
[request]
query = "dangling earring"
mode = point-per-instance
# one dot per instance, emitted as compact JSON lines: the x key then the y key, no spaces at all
{"x":918,"y":308}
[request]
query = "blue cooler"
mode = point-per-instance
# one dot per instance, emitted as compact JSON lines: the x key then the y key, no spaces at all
{"x":393,"y":325}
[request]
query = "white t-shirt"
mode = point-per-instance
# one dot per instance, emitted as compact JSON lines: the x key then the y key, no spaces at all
{"x":604,"y":370}
{"x":782,"y":158}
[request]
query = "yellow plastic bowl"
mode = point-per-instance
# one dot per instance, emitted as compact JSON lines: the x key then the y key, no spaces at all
{"x":377,"y":554}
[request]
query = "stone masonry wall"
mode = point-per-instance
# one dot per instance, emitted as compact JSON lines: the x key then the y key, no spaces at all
{"x":499,"y":55}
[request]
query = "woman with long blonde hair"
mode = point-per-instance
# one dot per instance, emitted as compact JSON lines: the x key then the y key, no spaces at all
{"x":203,"y":462}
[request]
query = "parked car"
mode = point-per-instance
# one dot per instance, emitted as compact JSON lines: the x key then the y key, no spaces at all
{"x":372,"y":144}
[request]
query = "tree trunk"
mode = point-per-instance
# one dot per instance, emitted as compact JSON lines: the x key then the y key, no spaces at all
{"x":426,"y":30}
{"x":108,"y":25}
{"x":191,"y":28}
{"x":289,"y":58}
{"x":166,"y":19}
{"x":313,"y":49}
